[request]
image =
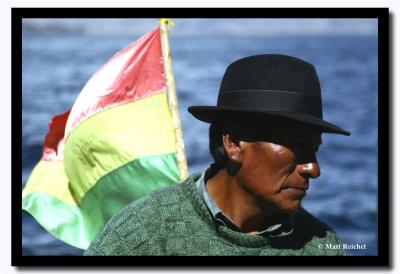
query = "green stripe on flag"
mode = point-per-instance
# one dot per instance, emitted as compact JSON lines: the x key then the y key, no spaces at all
{"x":80,"y":224}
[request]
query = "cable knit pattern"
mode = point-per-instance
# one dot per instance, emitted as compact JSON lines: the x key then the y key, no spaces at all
{"x":174,"y":220}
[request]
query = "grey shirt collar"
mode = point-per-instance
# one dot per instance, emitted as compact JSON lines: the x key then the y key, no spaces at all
{"x":282,"y":225}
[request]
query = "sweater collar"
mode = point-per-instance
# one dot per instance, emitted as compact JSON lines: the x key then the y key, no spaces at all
{"x":281,"y":224}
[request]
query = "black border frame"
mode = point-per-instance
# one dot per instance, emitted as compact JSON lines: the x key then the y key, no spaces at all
{"x":384,"y":141}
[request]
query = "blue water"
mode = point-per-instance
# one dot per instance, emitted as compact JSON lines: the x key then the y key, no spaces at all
{"x":55,"y":68}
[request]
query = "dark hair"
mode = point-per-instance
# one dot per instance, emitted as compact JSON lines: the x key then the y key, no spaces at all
{"x":215,"y":145}
{"x":217,"y":150}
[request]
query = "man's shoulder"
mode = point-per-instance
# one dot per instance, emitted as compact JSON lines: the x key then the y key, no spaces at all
{"x":140,"y":221}
{"x":160,"y":197}
{"x":173,"y":197}
{"x":152,"y":203}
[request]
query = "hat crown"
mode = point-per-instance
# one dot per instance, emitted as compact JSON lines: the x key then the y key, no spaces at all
{"x":271,"y":72}
{"x":269,"y":86}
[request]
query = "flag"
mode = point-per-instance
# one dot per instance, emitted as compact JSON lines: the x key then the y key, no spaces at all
{"x":116,"y":144}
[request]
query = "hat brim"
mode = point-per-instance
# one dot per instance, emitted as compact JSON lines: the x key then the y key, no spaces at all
{"x":211,"y":114}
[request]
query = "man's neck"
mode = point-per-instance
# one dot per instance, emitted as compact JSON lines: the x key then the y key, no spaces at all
{"x":238,"y":204}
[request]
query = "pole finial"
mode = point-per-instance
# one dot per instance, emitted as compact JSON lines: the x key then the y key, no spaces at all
{"x":166,"y":21}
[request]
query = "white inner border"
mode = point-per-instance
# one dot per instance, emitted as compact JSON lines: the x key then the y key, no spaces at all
{"x":5,"y":110}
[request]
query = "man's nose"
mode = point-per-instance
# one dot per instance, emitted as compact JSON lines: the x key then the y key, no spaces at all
{"x":309,"y":170}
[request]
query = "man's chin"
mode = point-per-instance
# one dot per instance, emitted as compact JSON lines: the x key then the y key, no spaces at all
{"x":286,"y":207}
{"x":292,"y":208}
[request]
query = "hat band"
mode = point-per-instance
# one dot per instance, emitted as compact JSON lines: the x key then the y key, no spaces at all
{"x":271,"y":100}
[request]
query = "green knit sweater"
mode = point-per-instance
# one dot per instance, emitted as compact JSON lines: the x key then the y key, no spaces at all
{"x":174,"y":220}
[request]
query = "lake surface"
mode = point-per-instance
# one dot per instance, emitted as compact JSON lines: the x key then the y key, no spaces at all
{"x":55,"y":68}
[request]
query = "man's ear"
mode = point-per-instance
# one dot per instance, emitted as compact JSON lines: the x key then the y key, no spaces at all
{"x":232,"y":148}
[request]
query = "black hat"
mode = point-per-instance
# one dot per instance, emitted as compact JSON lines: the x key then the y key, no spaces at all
{"x":269,"y":85}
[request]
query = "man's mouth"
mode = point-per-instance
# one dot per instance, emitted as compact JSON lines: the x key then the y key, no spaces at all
{"x":295,"y":192}
{"x":303,"y":187}
{"x":297,"y":187}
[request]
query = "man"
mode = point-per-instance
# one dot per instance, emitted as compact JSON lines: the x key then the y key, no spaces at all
{"x":264,"y":135}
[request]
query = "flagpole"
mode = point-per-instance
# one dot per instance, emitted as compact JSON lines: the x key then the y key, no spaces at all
{"x":172,"y":98}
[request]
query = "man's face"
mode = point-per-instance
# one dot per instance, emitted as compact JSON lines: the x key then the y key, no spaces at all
{"x":277,"y":163}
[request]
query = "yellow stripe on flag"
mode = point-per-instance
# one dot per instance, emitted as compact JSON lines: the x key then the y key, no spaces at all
{"x":105,"y":141}
{"x":55,"y":187}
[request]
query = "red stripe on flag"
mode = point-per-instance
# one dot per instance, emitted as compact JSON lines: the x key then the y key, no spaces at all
{"x":53,"y":148}
{"x":133,"y":73}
